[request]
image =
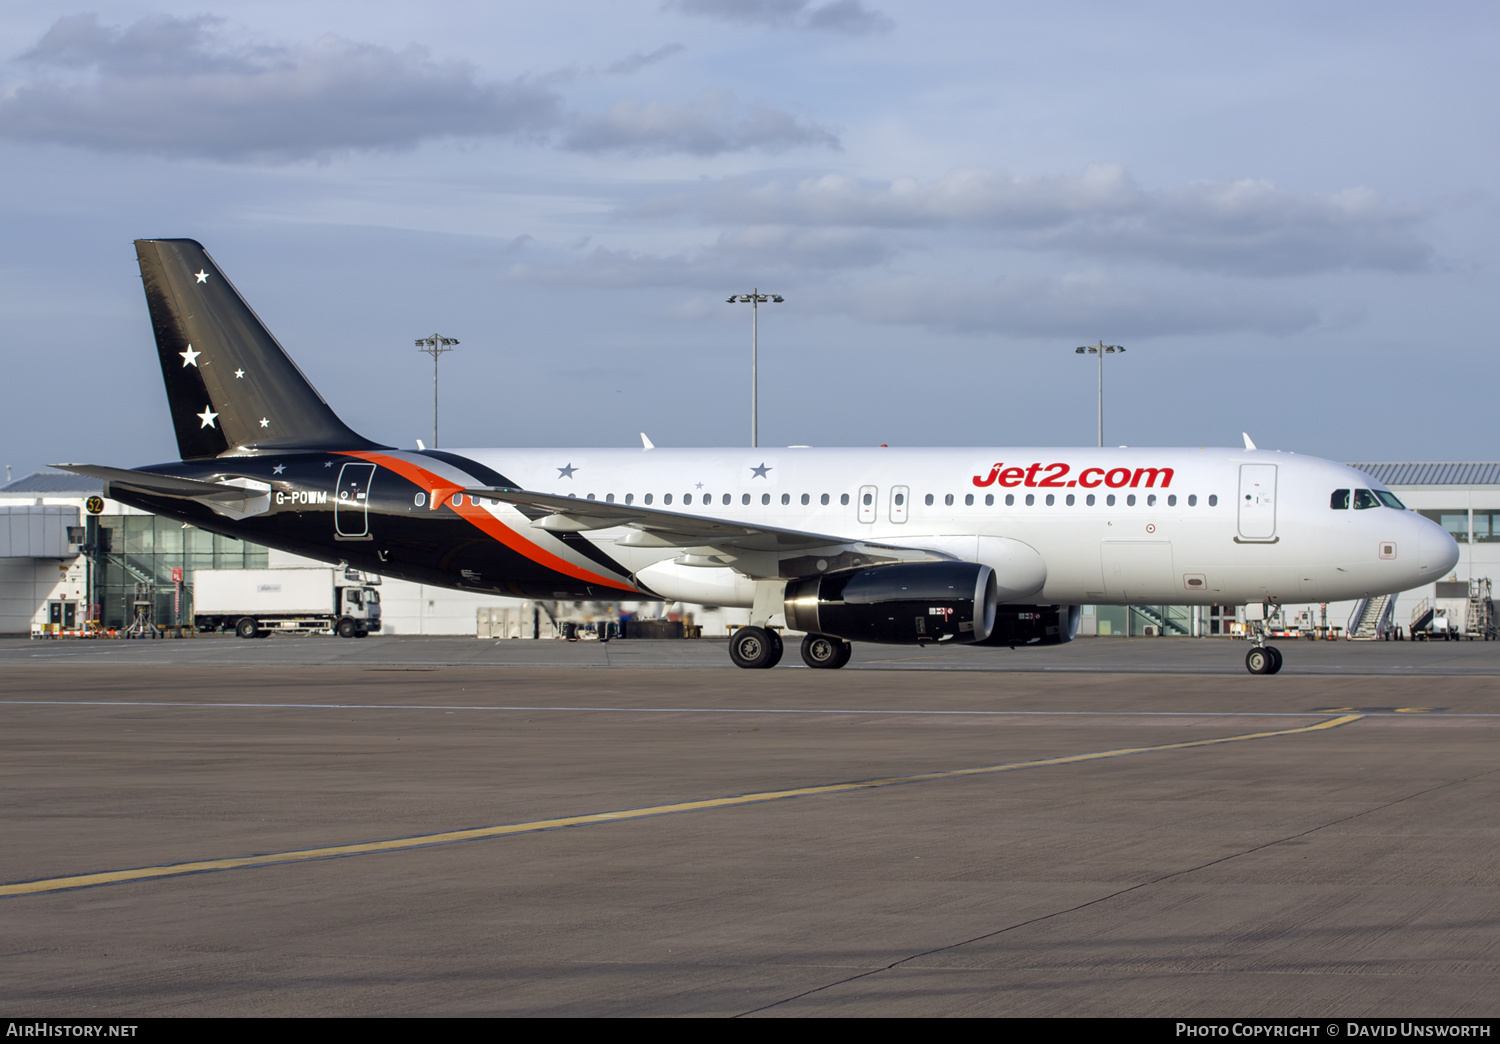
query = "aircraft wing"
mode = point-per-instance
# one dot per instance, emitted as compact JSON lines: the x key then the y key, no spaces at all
{"x":755,"y":550}
{"x":230,"y":499}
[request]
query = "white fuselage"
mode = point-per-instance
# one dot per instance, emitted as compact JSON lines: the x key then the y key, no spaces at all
{"x":1170,"y":526}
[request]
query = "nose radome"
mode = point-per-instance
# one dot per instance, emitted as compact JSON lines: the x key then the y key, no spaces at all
{"x":1437,"y":551}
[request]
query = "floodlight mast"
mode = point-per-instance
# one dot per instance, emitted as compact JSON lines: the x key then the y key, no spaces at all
{"x":1101,"y":349}
{"x":435,"y":346}
{"x":754,"y":299}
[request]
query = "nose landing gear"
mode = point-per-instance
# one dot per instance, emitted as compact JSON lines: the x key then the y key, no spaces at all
{"x":1263,"y":659}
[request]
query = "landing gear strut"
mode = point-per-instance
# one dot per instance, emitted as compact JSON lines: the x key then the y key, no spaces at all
{"x":1263,"y":658}
{"x":825,"y":651}
{"x":755,"y":648}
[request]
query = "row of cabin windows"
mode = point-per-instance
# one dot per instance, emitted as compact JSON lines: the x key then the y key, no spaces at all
{"x":899,"y":499}
{"x":1089,"y":500}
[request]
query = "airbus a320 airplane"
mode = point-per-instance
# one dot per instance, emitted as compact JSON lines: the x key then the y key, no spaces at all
{"x":994,"y":547}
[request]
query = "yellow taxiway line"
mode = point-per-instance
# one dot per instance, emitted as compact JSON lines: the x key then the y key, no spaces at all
{"x":58,"y":884}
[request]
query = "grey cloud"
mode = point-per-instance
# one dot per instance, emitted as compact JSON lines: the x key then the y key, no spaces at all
{"x":778,"y":246}
{"x":172,"y":86}
{"x":639,"y":60}
{"x":1242,"y":227}
{"x":1254,"y":228}
{"x":712,"y":123}
{"x":177,"y":87}
{"x":603,"y":267}
{"x":748,"y":253}
{"x":850,"y":17}
{"x":1062,"y":307}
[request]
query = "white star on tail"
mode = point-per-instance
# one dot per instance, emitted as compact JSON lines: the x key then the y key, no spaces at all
{"x":278,"y":469}
{"x":237,"y":373}
{"x":202,"y":276}
{"x":207,"y":417}
{"x":190,"y":357}
{"x":264,"y":423}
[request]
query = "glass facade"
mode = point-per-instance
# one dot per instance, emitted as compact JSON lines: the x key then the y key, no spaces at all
{"x":1456,"y":522}
{"x":142,"y":552}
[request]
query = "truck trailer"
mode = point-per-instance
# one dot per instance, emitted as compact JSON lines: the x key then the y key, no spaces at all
{"x":256,"y":603}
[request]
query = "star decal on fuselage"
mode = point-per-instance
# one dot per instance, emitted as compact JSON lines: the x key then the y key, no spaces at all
{"x":207,"y":417}
{"x":202,"y":276}
{"x":190,"y":357}
{"x":566,"y":472}
{"x":328,"y":463}
{"x":278,"y":469}
{"x":265,"y":422}
{"x":238,"y":374}
{"x":760,"y":472}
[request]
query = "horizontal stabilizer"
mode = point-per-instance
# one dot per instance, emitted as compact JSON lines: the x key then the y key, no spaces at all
{"x":234,"y":501}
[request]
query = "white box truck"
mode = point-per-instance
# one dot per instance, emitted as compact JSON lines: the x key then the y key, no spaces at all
{"x":255,"y":603}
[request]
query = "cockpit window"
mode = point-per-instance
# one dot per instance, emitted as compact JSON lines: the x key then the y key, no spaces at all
{"x":1364,"y":498}
{"x":1339,"y":500}
{"x":1389,"y":499}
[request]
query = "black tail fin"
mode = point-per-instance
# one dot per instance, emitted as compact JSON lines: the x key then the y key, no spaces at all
{"x":232,"y":388}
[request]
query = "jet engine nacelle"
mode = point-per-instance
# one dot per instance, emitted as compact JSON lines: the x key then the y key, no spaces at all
{"x":899,"y":604}
{"x":1034,"y":625}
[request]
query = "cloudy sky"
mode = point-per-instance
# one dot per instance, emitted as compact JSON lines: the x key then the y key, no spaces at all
{"x":1285,"y":212}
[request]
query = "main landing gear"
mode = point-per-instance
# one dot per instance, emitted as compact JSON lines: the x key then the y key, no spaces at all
{"x":756,"y":648}
{"x":825,"y":652}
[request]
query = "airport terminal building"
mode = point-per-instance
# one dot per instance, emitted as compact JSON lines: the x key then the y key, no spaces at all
{"x":71,"y":559}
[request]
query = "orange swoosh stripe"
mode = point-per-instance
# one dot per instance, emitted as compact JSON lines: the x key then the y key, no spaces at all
{"x":485,"y":521}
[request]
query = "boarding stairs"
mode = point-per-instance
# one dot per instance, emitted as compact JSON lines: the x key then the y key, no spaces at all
{"x":1372,"y":618}
{"x":1157,"y":617}
{"x":1480,"y":621}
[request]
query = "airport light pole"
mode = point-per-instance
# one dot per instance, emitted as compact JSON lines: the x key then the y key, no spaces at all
{"x":754,"y":299}
{"x":435,"y":346}
{"x":1101,"y":349}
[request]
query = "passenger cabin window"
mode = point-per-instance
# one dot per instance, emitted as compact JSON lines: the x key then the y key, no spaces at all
{"x":844,"y":499}
{"x":1340,"y":500}
{"x":745,"y":499}
{"x":928,"y":500}
{"x":1213,"y":500}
